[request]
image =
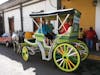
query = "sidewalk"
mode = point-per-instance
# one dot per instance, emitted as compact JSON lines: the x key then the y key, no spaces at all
{"x":94,"y":55}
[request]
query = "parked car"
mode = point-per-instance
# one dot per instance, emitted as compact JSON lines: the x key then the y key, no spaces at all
{"x":6,"y":39}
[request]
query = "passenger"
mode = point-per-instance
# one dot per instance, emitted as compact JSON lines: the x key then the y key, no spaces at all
{"x":50,"y":27}
{"x":44,"y":29}
{"x":67,"y":28}
{"x":50,"y":33}
{"x":63,"y":30}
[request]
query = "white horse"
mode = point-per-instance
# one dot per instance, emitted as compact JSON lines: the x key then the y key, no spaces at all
{"x":17,"y":38}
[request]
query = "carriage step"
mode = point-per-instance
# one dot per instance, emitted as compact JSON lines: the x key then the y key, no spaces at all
{"x":32,"y":50}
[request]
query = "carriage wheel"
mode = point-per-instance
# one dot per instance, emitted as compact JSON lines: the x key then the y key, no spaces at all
{"x":82,"y":48}
{"x":66,"y":57}
{"x":25,"y":54}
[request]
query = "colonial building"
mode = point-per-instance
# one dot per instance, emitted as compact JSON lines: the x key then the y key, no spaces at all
{"x":16,"y":12}
{"x":90,"y":10}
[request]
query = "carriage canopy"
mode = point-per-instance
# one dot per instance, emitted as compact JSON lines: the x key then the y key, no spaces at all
{"x":61,"y":16}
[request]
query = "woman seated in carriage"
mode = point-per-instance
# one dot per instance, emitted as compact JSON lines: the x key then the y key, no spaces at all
{"x":66,"y":28}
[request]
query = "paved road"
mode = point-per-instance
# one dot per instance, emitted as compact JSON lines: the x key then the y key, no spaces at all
{"x":12,"y":64}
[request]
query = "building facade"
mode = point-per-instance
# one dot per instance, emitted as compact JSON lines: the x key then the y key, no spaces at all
{"x":90,"y":10}
{"x":16,"y":13}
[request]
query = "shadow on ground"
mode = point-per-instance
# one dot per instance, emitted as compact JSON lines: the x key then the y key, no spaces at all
{"x":87,"y":67}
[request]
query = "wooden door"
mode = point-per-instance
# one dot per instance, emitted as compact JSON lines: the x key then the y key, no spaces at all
{"x":11,"y":24}
{"x":1,"y":25}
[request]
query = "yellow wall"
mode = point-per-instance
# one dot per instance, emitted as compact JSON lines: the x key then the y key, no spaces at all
{"x":86,"y":8}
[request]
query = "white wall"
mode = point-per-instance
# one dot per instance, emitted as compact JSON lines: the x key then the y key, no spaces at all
{"x":44,"y":5}
{"x":51,"y":5}
{"x":27,"y":20}
{"x":98,"y":19}
{"x":48,"y":5}
{"x":17,"y":22}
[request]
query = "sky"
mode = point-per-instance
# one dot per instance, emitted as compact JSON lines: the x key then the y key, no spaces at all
{"x":2,"y":1}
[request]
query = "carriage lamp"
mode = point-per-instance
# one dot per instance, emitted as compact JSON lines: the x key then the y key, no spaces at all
{"x":95,"y":2}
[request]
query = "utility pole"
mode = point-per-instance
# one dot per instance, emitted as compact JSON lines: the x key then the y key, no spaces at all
{"x":58,"y":4}
{"x":3,"y":21}
{"x":58,"y":7}
{"x":21,"y":16}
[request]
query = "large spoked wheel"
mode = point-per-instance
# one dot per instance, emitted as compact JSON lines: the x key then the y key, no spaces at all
{"x":82,"y":48}
{"x":25,"y":54}
{"x":66,"y":57}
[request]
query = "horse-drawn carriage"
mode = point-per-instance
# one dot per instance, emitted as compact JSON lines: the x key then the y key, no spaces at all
{"x":66,"y":50}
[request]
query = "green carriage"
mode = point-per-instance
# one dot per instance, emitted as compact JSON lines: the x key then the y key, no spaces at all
{"x":66,"y":51}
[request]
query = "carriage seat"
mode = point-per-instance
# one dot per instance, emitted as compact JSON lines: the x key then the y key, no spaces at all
{"x":41,"y":38}
{"x":31,"y":42}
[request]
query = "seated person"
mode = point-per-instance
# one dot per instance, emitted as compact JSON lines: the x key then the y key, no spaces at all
{"x":50,"y":30}
{"x":50,"y":33}
{"x":63,"y":30}
{"x":67,"y":28}
{"x":43,"y":29}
